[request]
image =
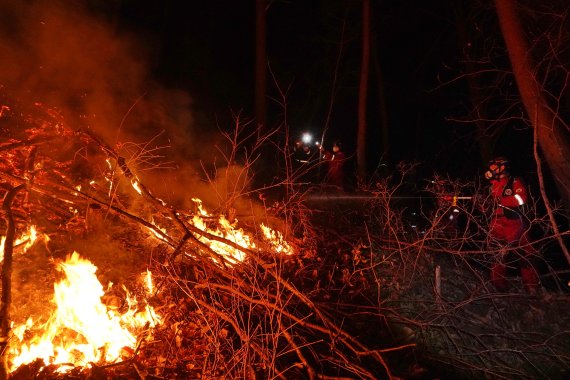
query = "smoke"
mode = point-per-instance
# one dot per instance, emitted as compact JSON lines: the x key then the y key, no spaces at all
{"x":60,"y":54}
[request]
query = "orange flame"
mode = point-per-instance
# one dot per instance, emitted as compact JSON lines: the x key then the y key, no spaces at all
{"x":276,"y":240}
{"x":224,"y":230}
{"x":136,"y":186}
{"x":29,"y":238}
{"x":156,"y":234}
{"x":228,"y":231}
{"x":148,"y":282}
{"x":82,"y":330}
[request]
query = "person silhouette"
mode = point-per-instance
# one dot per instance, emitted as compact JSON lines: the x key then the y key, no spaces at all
{"x":335,"y":160}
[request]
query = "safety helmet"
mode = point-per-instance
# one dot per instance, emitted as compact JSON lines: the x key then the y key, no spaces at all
{"x":498,"y":167}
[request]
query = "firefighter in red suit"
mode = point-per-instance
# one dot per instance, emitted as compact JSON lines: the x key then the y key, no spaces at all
{"x":335,"y":169}
{"x":510,"y":226}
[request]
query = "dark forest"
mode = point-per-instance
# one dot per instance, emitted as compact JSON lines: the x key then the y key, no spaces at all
{"x":271,"y":189}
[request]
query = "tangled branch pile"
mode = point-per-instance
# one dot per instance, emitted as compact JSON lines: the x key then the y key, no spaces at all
{"x":230,"y":299}
{"x":435,"y":280}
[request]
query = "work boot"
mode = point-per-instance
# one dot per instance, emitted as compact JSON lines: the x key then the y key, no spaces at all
{"x":530,"y":279}
{"x":499,"y":277}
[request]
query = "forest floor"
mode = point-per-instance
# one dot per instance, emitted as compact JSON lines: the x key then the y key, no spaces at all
{"x":444,"y":305}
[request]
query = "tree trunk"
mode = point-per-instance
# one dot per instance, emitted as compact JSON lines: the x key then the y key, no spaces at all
{"x":552,"y":140}
{"x":382,"y":108}
{"x":477,"y":96}
{"x":260,"y":67}
{"x":363,"y":92}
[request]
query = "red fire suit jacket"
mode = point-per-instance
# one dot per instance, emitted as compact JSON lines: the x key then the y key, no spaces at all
{"x":509,"y":223}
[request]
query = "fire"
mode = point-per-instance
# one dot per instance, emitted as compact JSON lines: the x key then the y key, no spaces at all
{"x":148,"y":282}
{"x":228,"y":231}
{"x":156,"y":234}
{"x":4,"y":108}
{"x":276,"y":240}
{"x":82,"y":330}
{"x":29,"y":238}
{"x":136,"y":186}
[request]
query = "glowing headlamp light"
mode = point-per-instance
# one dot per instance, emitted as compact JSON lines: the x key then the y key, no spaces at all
{"x":307,"y":138}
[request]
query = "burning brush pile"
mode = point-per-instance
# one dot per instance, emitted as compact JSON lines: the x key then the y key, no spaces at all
{"x":103,"y":279}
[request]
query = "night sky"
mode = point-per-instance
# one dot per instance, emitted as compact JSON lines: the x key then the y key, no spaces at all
{"x":207,"y":53}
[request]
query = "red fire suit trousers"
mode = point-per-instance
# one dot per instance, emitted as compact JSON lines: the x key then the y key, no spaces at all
{"x":514,"y":233}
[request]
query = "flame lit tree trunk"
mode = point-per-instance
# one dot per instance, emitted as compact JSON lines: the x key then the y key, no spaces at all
{"x":7,"y":278}
{"x":363,"y":92}
{"x":263,"y":172}
{"x":551,"y":137}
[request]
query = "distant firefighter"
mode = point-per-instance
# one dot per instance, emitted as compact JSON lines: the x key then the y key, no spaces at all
{"x":510,"y":226}
{"x":304,"y":153}
{"x":305,"y":159}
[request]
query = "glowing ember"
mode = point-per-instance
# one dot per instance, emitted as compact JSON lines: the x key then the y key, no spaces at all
{"x":2,"y":109}
{"x":148,"y":282}
{"x":156,"y":234}
{"x":136,"y":186}
{"x":82,"y":329}
{"x":109,"y":177}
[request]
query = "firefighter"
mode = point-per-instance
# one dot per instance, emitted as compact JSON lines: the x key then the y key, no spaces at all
{"x":510,"y":226}
{"x":303,"y":153}
{"x":304,"y":159}
{"x":335,"y":166}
